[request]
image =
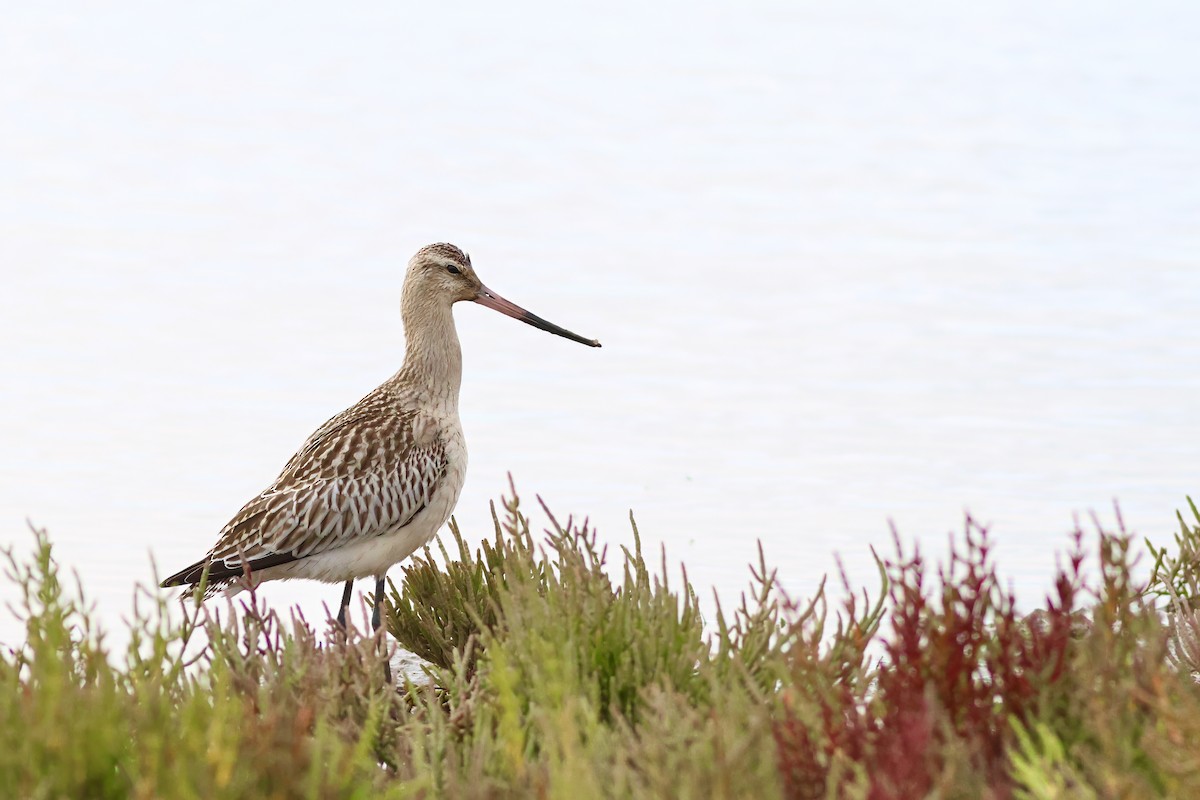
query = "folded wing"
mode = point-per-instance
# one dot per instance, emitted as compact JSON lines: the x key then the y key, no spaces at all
{"x":364,"y":473}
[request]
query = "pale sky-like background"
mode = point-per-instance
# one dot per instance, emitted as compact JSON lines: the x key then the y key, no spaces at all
{"x":850,"y":262}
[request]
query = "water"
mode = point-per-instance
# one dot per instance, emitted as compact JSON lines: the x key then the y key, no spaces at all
{"x":850,"y":263}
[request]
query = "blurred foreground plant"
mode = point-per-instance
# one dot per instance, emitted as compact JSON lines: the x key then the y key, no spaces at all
{"x":196,"y":705}
{"x":557,"y":671}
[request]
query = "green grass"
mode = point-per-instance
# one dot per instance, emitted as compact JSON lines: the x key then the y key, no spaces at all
{"x":559,"y":669}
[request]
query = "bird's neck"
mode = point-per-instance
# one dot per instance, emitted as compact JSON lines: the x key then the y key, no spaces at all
{"x":432,"y":359}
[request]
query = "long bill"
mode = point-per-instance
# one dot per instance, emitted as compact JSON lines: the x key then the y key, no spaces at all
{"x":486,"y":297}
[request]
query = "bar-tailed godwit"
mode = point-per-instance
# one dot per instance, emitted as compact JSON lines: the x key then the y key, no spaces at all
{"x":376,"y":482}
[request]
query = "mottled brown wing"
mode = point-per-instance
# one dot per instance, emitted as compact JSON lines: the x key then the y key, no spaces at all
{"x":360,"y":475}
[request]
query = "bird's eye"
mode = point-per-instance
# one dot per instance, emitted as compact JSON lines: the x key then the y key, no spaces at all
{"x":453,"y":270}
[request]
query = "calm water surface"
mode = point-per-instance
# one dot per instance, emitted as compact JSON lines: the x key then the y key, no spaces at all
{"x":850,"y":262}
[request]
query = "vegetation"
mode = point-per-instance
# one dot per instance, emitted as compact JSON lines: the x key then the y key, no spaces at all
{"x":556,"y":674}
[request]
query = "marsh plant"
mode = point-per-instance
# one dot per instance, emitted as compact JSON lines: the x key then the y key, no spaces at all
{"x":556,"y":668}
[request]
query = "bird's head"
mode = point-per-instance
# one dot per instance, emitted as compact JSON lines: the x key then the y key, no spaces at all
{"x":442,"y":273}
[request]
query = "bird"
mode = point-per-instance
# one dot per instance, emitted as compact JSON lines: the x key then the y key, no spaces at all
{"x":373,"y":484}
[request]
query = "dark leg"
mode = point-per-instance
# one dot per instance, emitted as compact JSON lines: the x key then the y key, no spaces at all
{"x":377,"y":613}
{"x":377,"y":624}
{"x":341,"y":617}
